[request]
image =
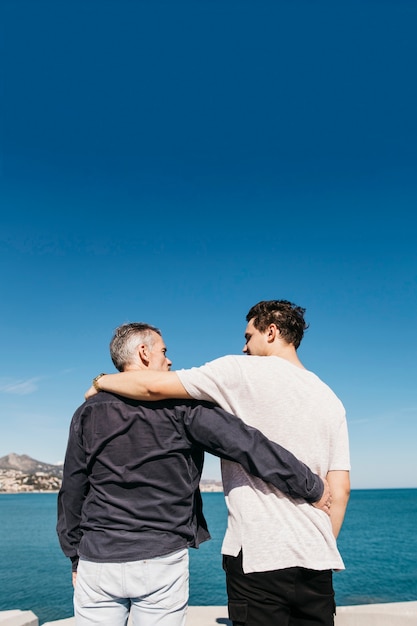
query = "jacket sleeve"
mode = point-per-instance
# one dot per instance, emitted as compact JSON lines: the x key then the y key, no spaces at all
{"x":228,"y":437}
{"x":73,"y":492}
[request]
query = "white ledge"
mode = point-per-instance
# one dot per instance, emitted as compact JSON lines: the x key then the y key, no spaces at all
{"x":18,"y":618}
{"x":388,"y":614}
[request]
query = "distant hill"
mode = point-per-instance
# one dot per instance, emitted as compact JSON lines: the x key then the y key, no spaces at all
{"x":22,"y":473}
{"x":24,"y":463}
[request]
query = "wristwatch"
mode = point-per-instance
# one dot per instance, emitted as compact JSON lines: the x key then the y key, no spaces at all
{"x":95,"y":381}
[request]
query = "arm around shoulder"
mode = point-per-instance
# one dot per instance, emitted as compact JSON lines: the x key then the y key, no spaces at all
{"x":227,"y":436}
{"x":142,"y":385}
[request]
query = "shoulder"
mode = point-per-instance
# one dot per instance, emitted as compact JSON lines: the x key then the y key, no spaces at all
{"x":184,"y":407}
{"x":327,"y":393}
{"x":104,"y":398}
{"x":230,"y":361}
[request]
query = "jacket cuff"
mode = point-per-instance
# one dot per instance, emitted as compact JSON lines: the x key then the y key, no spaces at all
{"x":74,"y":561}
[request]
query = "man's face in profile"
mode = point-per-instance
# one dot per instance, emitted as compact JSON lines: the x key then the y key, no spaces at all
{"x":255,"y":341}
{"x":158,"y":360}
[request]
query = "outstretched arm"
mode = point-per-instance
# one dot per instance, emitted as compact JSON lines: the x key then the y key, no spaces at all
{"x":141,"y":385}
{"x":227,"y":436}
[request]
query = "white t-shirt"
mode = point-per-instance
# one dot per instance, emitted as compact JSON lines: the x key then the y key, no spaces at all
{"x":293,"y":407}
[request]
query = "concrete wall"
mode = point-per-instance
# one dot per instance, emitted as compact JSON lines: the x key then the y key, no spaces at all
{"x":18,"y":618}
{"x":389,"y":614}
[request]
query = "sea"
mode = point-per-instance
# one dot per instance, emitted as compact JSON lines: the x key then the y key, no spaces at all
{"x":378,"y":543}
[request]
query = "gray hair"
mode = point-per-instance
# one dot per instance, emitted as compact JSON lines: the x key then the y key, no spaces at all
{"x":126,"y":339}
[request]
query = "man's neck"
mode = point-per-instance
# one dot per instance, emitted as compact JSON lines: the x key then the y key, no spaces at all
{"x":135,"y":368}
{"x":289,"y":353}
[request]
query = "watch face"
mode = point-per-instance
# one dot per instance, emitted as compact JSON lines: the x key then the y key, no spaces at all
{"x":95,"y":381}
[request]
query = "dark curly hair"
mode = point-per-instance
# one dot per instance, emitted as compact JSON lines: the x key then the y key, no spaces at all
{"x":288,"y":317}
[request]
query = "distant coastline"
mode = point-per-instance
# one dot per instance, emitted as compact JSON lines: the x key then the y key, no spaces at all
{"x":23,"y":474}
{"x":16,"y":481}
{"x":208,"y":487}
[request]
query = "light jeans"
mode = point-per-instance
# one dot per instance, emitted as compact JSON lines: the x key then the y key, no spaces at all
{"x":155,"y":591}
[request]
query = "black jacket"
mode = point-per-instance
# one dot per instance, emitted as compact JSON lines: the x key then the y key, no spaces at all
{"x":130,"y":489}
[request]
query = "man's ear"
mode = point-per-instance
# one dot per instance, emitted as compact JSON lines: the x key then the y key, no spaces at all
{"x":272,"y":333}
{"x":143,"y":352}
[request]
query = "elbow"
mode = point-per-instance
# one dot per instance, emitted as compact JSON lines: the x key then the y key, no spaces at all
{"x":339,"y":483}
{"x":155,"y":390}
{"x":346,"y":488}
{"x":347,"y":495}
{"x":152,"y":393}
{"x":343,"y":495}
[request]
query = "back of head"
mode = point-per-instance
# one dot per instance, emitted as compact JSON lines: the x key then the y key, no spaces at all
{"x":126,"y":339}
{"x":288,"y":318}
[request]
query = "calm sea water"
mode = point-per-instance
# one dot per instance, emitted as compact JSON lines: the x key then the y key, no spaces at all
{"x":378,"y":543}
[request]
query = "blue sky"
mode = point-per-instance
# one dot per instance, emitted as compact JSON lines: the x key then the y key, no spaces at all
{"x":177,"y":162}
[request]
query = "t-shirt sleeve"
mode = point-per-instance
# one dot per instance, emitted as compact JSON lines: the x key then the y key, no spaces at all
{"x":210,"y":381}
{"x":339,"y":455}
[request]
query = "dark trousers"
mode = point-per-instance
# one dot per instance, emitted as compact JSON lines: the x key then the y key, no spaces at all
{"x":289,"y":597}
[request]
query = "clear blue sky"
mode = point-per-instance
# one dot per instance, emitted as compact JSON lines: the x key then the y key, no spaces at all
{"x":177,"y":162}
